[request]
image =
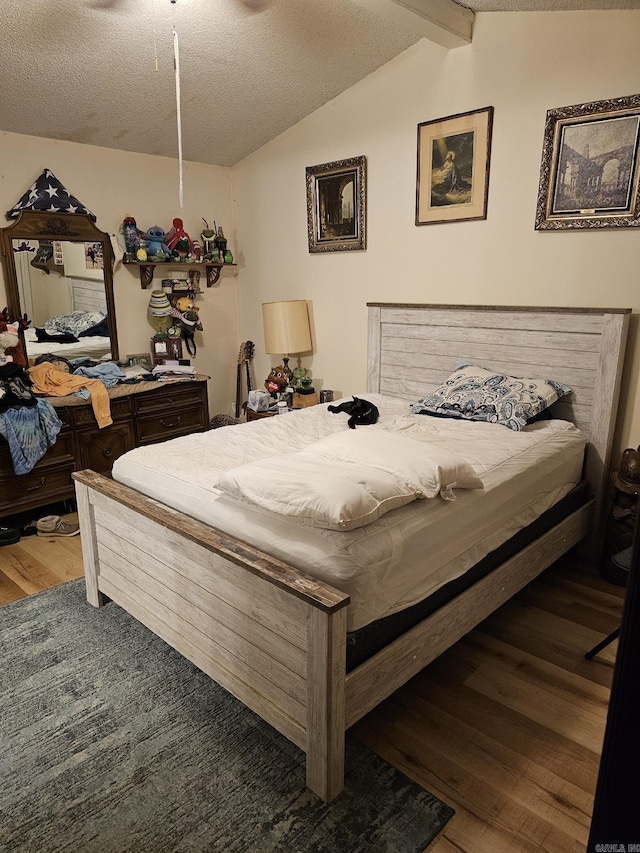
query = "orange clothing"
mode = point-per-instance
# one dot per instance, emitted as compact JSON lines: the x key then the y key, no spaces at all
{"x":47,"y":379}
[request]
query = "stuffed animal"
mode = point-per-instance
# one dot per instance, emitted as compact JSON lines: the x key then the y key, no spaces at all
{"x":188,"y":322}
{"x":156,"y":245}
{"x":184,"y":303}
{"x":276,"y":381}
{"x":179,"y":241}
{"x":11,"y":348}
{"x":362,"y":412}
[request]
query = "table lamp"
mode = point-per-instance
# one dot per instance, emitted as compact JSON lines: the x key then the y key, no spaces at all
{"x":159,"y":312}
{"x":286,"y":329}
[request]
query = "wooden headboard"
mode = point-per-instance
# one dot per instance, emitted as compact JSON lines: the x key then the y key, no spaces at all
{"x":87,"y":295}
{"x":413,"y":348}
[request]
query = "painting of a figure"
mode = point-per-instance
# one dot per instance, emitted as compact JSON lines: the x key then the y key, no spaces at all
{"x":452,"y":173}
{"x":453,"y":167}
{"x":590,"y":170}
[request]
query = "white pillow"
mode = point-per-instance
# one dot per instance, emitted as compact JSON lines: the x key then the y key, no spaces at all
{"x":349,"y":479}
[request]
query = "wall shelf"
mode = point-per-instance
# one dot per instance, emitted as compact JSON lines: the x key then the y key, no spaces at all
{"x":147,"y":269}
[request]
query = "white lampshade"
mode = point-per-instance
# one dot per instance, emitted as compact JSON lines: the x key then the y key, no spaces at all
{"x":286,"y":327}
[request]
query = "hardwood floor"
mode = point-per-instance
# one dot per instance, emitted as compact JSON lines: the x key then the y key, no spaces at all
{"x":36,"y":563}
{"x":506,"y":726}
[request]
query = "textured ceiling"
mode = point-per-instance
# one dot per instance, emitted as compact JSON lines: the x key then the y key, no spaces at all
{"x":85,"y":71}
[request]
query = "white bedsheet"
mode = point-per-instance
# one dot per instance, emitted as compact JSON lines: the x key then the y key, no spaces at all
{"x":406,"y":554}
{"x":92,"y":346}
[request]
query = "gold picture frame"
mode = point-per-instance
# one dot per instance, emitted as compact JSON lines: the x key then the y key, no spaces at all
{"x":336,"y":205}
{"x":590,"y":170}
{"x":452,"y":181}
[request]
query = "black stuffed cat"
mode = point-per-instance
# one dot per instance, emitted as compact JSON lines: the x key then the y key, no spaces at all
{"x":361,"y":412}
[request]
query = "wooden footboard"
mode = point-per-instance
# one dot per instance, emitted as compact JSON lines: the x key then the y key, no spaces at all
{"x":270,"y":635}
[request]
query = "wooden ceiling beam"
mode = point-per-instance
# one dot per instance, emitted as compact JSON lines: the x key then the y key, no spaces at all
{"x":442,"y":21}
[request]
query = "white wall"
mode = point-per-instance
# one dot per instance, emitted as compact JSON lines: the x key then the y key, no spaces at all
{"x":522,"y":64}
{"x":113,"y":184}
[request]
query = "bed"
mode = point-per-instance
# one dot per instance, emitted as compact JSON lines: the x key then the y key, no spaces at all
{"x":84,"y":320}
{"x":275,"y":635}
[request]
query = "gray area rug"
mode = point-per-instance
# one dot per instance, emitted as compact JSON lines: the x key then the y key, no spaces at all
{"x":112,"y":742}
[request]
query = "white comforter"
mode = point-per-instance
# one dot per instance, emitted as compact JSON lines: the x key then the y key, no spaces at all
{"x":350,"y":479}
{"x":404,"y":555}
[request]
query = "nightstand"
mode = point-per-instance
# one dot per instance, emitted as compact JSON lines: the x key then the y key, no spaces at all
{"x":620,"y":524}
{"x":256,"y":416}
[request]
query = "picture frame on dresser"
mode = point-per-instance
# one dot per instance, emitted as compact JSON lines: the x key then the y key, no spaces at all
{"x":140,"y":359}
{"x":590,"y":169}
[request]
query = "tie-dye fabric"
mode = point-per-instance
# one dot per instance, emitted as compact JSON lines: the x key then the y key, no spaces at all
{"x":30,"y":431}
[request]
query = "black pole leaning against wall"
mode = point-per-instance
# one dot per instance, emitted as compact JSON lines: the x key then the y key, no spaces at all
{"x":615,"y":823}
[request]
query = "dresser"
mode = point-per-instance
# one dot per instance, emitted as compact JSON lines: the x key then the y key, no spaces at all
{"x":144,"y":413}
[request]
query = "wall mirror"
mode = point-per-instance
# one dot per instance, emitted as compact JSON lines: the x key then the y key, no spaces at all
{"x":59,"y":272}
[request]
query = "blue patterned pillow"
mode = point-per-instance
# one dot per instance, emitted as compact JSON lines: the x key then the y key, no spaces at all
{"x":477,"y":394}
{"x":75,"y":323}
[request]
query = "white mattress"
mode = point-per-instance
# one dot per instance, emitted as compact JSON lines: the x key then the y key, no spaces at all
{"x":408,"y":553}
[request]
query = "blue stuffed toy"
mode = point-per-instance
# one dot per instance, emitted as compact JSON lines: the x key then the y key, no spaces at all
{"x":155,"y":242}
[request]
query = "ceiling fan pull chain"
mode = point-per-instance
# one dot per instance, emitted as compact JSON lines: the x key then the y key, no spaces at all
{"x":176,"y":59}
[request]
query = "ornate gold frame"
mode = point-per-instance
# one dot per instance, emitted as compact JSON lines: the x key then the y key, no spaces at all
{"x":328,"y":229}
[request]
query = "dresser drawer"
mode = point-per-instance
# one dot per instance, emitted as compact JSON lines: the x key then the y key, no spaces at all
{"x":171,"y":424}
{"x":39,"y":486}
{"x":99,"y":449}
{"x":171,"y":396}
{"x":60,"y":452}
{"x":82,"y":416}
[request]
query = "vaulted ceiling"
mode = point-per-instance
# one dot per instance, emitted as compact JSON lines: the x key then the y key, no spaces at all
{"x":101,"y":72}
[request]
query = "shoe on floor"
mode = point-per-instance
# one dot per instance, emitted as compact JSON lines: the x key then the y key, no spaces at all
{"x":53,"y":525}
{"x":9,"y":536}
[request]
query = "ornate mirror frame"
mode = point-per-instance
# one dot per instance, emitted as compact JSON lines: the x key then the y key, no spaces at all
{"x":74,"y":227}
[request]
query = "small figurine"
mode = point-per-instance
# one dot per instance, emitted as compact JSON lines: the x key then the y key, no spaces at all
{"x":197,"y":250}
{"x":129,"y":231}
{"x":220,"y":242}
{"x":208,"y":236}
{"x":179,"y":241}
{"x":156,"y":246}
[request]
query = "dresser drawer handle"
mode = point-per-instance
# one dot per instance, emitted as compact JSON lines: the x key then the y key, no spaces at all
{"x":107,"y":452}
{"x":37,"y":486}
{"x":173,"y":423}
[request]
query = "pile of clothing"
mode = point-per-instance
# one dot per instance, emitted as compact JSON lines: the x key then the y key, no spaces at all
{"x":29,"y":424}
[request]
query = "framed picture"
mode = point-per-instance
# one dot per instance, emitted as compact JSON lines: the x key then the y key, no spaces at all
{"x":93,"y":258}
{"x":141,"y":359}
{"x":336,"y":205}
{"x":453,"y":167}
{"x":589,"y":174}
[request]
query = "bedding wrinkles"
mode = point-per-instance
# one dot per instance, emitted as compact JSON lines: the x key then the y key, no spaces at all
{"x":406,"y":554}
